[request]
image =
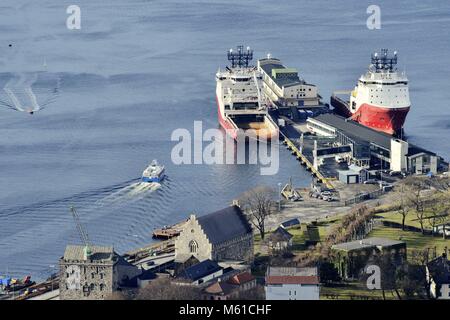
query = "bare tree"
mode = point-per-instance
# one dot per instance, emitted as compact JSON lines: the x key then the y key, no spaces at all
{"x":417,"y":198}
{"x":403,"y":202}
{"x":164,"y":289}
{"x":258,"y":203}
{"x":256,"y":293}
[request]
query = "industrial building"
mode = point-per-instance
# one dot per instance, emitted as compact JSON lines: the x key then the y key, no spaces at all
{"x":374,"y":149}
{"x":287,"y":92}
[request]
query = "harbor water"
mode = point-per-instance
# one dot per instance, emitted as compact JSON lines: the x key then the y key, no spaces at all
{"x":138,"y":70}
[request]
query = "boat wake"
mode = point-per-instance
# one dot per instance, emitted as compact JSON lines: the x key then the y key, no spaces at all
{"x":134,"y":191}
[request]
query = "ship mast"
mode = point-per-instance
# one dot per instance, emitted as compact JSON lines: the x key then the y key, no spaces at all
{"x":240,"y":58}
{"x":381,"y":61}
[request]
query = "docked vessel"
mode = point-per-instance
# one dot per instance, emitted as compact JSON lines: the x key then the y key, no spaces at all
{"x":153,"y":173}
{"x":238,"y":94}
{"x":381,"y":98}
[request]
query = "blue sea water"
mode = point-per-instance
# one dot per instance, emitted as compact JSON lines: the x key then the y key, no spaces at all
{"x":137,"y":70}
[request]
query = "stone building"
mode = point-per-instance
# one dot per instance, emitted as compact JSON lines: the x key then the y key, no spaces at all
{"x":350,"y":258}
{"x":222,"y":235}
{"x":92,"y":273}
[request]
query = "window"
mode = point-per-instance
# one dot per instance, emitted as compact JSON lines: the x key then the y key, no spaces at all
{"x":193,"y":246}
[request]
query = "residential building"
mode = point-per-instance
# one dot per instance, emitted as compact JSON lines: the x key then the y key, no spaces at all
{"x":291,"y":283}
{"x":438,"y":276}
{"x":222,"y":235}
{"x":279,"y":241}
{"x":230,"y":288}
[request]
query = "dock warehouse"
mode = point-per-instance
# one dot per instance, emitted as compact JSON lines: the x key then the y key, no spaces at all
{"x":371,"y":148}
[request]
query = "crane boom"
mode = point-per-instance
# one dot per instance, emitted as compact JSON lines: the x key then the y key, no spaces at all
{"x":83,"y":234}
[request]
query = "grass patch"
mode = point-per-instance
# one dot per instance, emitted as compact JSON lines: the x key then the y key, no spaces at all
{"x":353,"y":290}
{"x":409,"y":221}
{"x":414,"y":240}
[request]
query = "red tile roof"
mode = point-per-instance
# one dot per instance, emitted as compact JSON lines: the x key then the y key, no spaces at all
{"x":241,"y":278}
{"x":292,"y":280}
{"x":220,"y":288}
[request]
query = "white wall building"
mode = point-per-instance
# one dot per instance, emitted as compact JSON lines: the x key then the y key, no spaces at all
{"x":290,"y":283}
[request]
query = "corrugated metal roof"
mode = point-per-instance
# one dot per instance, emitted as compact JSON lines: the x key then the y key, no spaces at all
{"x":291,"y":271}
{"x":355,"y":130}
{"x":292,"y":275}
{"x":225,"y":224}
{"x":292,"y":280}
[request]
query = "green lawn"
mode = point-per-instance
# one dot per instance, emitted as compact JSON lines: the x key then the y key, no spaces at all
{"x":299,"y":237}
{"x":414,"y":240}
{"x":411,"y":219}
{"x":353,"y":290}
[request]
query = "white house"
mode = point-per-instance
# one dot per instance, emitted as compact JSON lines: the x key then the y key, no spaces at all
{"x":290,"y":283}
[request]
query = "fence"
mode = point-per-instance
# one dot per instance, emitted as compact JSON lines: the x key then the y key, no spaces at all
{"x":363,"y":197}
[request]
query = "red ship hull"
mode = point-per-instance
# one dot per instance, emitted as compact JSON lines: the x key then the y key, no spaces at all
{"x":388,"y":120}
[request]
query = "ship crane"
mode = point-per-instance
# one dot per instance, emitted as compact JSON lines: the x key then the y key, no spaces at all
{"x":83,"y":234}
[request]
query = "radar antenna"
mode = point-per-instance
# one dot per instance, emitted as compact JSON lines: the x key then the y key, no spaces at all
{"x":383,"y":62}
{"x":240,"y":58}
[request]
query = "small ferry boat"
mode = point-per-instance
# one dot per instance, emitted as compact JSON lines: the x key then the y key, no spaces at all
{"x":153,"y":173}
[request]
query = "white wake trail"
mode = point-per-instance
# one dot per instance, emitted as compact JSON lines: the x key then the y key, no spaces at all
{"x":135,"y":191}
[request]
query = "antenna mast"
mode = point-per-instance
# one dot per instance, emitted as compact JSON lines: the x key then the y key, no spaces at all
{"x":240,"y":58}
{"x":382,"y":61}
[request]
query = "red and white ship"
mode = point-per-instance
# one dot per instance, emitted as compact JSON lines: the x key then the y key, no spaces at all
{"x":238,"y":94}
{"x":381,"y":98}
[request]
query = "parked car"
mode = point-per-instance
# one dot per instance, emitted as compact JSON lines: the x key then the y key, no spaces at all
{"x":371,"y":181}
{"x":397,"y":174}
{"x":383,"y":183}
